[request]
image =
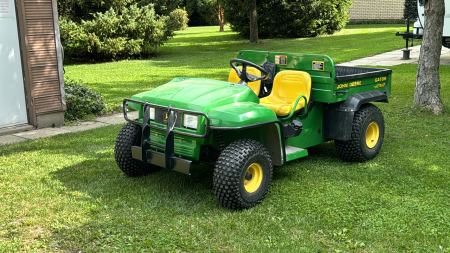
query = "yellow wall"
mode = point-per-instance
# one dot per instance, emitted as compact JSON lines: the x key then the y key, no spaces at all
{"x":377,"y":9}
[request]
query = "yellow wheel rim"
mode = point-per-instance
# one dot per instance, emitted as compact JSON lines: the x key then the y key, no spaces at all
{"x":372,"y":135}
{"x":253,"y":177}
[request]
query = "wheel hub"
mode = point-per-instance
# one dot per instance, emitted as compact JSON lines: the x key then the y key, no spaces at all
{"x":253,"y":177}
{"x":372,"y":135}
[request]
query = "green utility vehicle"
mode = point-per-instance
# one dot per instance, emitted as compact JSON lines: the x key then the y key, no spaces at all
{"x":272,"y":108}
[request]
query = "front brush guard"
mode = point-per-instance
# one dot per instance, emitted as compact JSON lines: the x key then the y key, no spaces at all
{"x":166,"y":159}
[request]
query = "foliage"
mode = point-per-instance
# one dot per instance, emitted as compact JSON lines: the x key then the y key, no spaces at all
{"x":206,"y":10}
{"x":162,"y":7}
{"x":201,"y":12}
{"x":136,"y":31}
{"x":178,"y":20}
{"x":289,"y":18}
{"x":81,"y":101}
{"x":78,"y":10}
{"x":410,"y":10}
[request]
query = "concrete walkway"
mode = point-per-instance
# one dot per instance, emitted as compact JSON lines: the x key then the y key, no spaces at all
{"x":395,"y":58}
{"x":22,"y":133}
{"x":33,"y":134}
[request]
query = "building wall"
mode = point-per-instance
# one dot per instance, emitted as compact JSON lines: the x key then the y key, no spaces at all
{"x":377,"y":9}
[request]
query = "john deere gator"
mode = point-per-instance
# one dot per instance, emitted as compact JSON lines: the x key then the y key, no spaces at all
{"x":272,"y":108}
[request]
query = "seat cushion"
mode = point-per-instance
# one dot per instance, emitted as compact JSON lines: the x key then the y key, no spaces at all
{"x":255,"y":86}
{"x":287,"y":87}
{"x":279,"y":106}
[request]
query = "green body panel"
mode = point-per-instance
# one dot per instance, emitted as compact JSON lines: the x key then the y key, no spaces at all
{"x":240,"y":115}
{"x":184,"y":146}
{"x":197,"y":94}
{"x":354,"y":86}
{"x":312,"y":133}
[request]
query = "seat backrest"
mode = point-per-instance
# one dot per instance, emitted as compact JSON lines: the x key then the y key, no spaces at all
{"x":288,"y":85}
{"x":255,"y":86}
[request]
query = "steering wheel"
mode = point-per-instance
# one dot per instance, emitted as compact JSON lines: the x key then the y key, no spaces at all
{"x":244,"y":75}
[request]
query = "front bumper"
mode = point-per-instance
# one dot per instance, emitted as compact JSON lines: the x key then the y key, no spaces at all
{"x":146,"y":153}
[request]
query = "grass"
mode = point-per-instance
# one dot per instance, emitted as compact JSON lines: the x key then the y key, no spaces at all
{"x":205,"y":52}
{"x":66,"y":194}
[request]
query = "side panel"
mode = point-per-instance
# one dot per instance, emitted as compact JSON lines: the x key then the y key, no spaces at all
{"x":312,"y":133}
{"x":345,"y":89}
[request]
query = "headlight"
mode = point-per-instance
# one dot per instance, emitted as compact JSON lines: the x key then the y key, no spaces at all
{"x":190,"y":121}
{"x":152,"y":113}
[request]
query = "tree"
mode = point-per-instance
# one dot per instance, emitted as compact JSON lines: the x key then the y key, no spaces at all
{"x":287,"y":18}
{"x":253,"y":22}
{"x":210,"y":10}
{"x":428,"y":85}
{"x":219,"y":11}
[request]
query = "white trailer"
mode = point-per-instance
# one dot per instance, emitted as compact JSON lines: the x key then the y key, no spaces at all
{"x":446,"y":32}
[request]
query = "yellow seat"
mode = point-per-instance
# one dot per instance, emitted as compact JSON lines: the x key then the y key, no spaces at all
{"x":255,"y":86}
{"x":288,"y":85}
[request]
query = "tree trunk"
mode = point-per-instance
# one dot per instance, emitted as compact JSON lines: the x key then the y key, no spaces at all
{"x":428,"y":85}
{"x":253,"y":22}
{"x":219,"y":11}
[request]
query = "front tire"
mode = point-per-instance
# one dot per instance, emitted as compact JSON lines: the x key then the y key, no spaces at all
{"x":366,"y":138}
{"x":130,"y":135}
{"x":242,"y":174}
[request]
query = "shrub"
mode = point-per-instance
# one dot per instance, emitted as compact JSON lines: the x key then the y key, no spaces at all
{"x":410,"y":10}
{"x":136,"y":32}
{"x":81,"y":101}
{"x":178,"y":19}
{"x":289,"y":18}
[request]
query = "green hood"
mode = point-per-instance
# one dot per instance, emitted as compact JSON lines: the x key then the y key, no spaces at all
{"x":197,"y":94}
{"x":227,"y":104}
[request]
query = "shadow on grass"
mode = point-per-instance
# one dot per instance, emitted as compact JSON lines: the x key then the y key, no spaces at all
{"x":100,"y":178}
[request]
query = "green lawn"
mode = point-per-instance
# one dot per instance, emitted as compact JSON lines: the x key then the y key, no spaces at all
{"x":66,"y":194}
{"x":205,"y":52}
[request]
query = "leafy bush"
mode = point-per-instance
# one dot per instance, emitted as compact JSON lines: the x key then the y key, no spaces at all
{"x":289,"y":18}
{"x":178,"y":19}
{"x":81,"y":101}
{"x":77,"y":10}
{"x":410,"y":10}
{"x":137,"y":31}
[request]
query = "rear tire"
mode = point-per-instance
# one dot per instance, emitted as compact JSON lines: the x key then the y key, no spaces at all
{"x":130,"y":135}
{"x":366,"y":138}
{"x":242,"y":174}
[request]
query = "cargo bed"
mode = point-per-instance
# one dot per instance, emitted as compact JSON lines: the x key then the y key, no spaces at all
{"x":349,"y":73}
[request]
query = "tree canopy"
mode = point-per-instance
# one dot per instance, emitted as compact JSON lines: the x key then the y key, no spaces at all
{"x":289,"y":18}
